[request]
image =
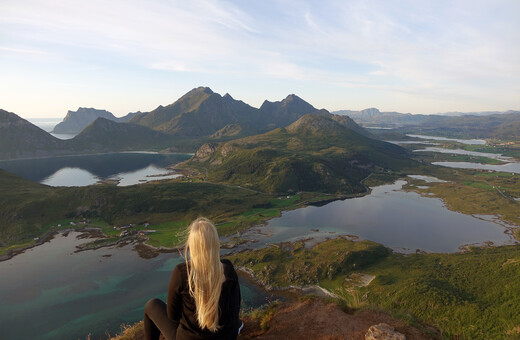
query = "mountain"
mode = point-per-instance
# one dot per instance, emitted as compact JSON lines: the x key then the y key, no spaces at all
{"x":285,"y":112}
{"x":199,"y":113}
{"x":22,"y":139}
{"x":486,"y":124}
{"x":204,"y":113}
{"x":502,"y":126}
{"x":75,"y":121}
{"x":372,"y":116}
{"x":479,"y":113}
{"x":315,"y":153}
{"x":107,"y":135}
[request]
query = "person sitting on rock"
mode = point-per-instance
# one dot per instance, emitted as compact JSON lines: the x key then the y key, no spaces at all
{"x":203,"y":296}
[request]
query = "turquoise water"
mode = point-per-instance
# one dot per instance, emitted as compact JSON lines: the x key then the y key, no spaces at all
{"x":50,"y":292}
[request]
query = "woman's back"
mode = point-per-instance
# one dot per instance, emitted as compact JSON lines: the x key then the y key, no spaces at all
{"x":203,"y":295}
{"x":181,"y":305}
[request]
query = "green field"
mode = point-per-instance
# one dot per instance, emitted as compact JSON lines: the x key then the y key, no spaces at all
{"x":471,"y":295}
{"x":31,"y":210}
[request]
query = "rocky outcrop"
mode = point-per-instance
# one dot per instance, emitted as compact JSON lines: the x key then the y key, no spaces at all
{"x":383,"y":331}
{"x":75,"y":121}
{"x":205,"y":151}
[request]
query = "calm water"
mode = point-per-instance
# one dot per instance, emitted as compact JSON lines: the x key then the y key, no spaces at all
{"x":509,"y":167}
{"x":128,"y":167}
{"x":50,"y":292}
{"x":403,"y":221}
{"x":465,"y":152}
{"x":463,"y":141}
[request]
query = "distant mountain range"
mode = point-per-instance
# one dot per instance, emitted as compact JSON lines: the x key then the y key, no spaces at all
{"x":75,"y":121}
{"x":504,"y":125}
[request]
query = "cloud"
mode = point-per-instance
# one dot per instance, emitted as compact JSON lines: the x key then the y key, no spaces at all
{"x":415,"y":47}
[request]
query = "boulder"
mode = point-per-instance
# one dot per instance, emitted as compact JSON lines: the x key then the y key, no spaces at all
{"x":383,"y":331}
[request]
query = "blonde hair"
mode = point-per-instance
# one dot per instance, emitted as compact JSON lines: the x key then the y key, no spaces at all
{"x":205,"y":271}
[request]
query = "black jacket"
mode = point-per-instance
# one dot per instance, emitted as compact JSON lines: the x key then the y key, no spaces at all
{"x":181,"y":306}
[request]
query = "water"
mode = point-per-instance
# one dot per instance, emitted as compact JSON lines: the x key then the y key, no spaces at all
{"x":50,"y":292}
{"x":465,"y":152}
{"x":127,"y":167}
{"x":509,"y":167}
{"x":403,"y":221}
{"x":463,"y":141}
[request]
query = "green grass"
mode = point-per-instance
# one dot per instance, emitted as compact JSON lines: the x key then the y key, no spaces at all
{"x":168,"y":234}
{"x":478,"y":185}
{"x":472,"y":295}
{"x":33,"y":210}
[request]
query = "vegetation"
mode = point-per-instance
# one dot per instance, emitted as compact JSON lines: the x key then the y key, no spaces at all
{"x":476,"y":192}
{"x":471,"y":295}
{"x":32,"y":210}
{"x":315,"y":153}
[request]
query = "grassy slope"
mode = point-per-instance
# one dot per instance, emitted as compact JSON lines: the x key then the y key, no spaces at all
{"x":30,"y":210}
{"x":474,"y":295}
{"x":330,"y":158}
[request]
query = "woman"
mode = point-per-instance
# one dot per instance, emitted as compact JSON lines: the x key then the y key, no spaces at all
{"x":203,"y":296}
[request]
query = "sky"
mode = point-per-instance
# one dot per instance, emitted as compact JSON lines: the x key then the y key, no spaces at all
{"x":134,"y":55}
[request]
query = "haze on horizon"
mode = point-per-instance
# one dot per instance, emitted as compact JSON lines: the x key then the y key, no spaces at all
{"x":123,"y":56}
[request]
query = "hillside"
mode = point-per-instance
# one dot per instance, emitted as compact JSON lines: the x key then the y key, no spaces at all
{"x":310,"y":318}
{"x":75,"y":121}
{"x":315,"y":153}
{"x":107,"y":135}
{"x":29,"y":209}
{"x":22,"y":139}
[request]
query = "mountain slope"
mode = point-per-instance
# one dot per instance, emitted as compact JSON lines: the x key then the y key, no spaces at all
{"x":22,"y":139}
{"x":315,"y":153}
{"x":107,"y":135}
{"x":287,"y":111}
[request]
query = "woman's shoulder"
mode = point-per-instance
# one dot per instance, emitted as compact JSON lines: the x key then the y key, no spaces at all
{"x":180,"y":269}
{"x":229,"y":270}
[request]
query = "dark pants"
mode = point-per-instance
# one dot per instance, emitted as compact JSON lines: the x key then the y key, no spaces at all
{"x":156,"y":321}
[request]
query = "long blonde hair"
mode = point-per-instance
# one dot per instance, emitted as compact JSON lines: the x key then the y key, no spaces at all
{"x":205,"y":271}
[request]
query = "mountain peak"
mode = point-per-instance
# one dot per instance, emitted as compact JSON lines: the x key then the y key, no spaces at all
{"x":75,"y":121}
{"x":315,"y":124}
{"x":200,"y":90}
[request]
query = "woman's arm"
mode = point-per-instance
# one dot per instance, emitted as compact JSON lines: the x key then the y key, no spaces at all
{"x":174,"y":299}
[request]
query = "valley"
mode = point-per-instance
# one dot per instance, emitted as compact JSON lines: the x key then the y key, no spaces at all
{"x":300,"y":197}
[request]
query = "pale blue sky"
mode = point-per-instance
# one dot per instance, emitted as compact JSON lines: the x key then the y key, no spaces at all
{"x":128,"y":55}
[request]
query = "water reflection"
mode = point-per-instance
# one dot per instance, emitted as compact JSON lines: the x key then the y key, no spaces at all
{"x":130,"y":167}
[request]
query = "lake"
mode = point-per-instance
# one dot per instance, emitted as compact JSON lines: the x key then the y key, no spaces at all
{"x":68,"y":295}
{"x":403,"y":221}
{"x":463,"y":141}
{"x":50,"y":292}
{"x":127,"y":168}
